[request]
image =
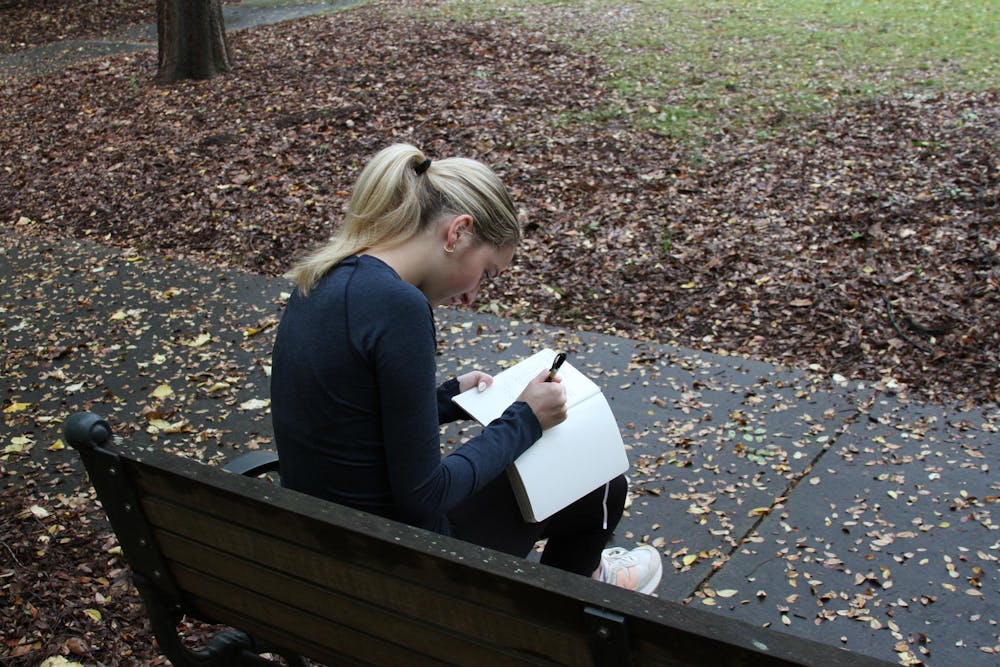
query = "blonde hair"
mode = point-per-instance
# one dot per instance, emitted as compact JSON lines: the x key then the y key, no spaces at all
{"x":398,"y":195}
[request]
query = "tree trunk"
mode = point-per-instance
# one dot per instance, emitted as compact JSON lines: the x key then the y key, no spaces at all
{"x":192,"y":40}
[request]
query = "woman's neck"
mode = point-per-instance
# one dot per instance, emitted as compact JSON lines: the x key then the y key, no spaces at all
{"x":408,"y":259}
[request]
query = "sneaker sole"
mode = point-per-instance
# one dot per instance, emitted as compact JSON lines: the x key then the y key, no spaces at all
{"x":652,"y":583}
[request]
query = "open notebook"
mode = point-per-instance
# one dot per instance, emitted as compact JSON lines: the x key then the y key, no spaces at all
{"x":569,"y":460}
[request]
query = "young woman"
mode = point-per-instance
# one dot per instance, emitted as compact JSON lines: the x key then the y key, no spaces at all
{"x":355,"y":406}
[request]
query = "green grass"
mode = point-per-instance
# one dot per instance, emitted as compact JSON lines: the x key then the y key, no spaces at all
{"x":689,"y":68}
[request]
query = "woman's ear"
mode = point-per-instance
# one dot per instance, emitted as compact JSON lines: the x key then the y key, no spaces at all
{"x":459,"y":229}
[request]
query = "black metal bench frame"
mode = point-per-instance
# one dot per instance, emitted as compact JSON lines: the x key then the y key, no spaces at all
{"x":302,"y":578}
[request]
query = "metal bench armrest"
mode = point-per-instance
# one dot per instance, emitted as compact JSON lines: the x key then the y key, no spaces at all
{"x":253,"y":463}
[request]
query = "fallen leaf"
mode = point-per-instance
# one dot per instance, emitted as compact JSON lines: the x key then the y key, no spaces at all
{"x":199,"y":340}
{"x":162,"y":391}
{"x":59,"y":661}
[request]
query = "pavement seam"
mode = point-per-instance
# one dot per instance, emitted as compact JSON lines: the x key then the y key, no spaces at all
{"x":859,"y":411}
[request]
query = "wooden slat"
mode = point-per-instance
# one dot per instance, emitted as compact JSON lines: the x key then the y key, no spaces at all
{"x":374,"y":622}
{"x":262,"y":631}
{"x":379,"y":543}
{"x":236,"y":604}
{"x":456,"y":579}
{"x":344,"y":584}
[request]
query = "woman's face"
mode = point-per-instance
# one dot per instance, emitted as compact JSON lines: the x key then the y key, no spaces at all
{"x":463,"y":264}
{"x":470,"y":266}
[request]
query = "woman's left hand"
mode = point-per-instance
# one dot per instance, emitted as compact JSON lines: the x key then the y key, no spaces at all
{"x":474,"y":379}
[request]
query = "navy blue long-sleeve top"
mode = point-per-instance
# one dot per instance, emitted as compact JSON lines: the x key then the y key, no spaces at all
{"x":356,"y":409}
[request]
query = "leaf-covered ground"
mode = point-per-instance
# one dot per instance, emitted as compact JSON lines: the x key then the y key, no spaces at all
{"x":29,"y":23}
{"x":864,"y":242}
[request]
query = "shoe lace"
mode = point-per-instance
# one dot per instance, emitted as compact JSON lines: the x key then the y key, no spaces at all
{"x":614,"y":552}
{"x":618,"y":559}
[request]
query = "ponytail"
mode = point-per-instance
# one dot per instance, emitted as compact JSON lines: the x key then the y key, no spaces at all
{"x":399,"y":194}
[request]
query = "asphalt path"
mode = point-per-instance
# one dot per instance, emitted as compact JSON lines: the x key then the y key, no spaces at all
{"x":784,"y":497}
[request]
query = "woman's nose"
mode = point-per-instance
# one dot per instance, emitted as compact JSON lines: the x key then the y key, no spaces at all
{"x":466,"y":298}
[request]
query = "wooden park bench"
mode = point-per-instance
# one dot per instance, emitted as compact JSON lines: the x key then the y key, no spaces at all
{"x":301,"y":578}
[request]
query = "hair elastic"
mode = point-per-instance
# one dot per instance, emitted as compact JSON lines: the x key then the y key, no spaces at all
{"x":423,"y":166}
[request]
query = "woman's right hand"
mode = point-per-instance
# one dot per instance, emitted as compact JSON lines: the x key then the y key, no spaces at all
{"x":547,"y":400}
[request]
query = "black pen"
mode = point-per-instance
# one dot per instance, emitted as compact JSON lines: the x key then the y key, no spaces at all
{"x":560,"y":358}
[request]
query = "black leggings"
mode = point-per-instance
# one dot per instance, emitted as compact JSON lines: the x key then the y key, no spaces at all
{"x":576,"y":534}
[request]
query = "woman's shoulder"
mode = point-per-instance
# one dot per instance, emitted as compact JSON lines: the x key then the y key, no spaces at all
{"x":383,"y":287}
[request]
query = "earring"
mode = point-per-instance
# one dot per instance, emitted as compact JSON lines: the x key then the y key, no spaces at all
{"x":449,"y":250}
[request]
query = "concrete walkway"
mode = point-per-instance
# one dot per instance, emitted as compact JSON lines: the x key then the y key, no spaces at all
{"x":827,"y":510}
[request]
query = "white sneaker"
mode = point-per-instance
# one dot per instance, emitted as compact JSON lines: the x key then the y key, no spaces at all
{"x":637,"y":570}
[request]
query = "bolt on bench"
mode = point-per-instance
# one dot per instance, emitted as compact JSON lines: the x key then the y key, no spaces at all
{"x":303,"y":578}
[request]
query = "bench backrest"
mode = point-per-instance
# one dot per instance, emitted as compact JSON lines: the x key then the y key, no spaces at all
{"x":341,"y":586}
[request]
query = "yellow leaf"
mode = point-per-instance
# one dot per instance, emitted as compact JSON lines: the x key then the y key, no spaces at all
{"x":18,"y":444}
{"x":176,"y":427}
{"x":59,"y":661}
{"x":57,"y":446}
{"x":200,"y":340}
{"x":17,"y":407}
{"x":726,"y":592}
{"x":759,"y":511}
{"x":689,"y":559}
{"x":163,"y":391}
{"x":156,"y":425}
{"x":94,"y":614}
{"x":120,"y":315}
{"x":253,"y":331}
